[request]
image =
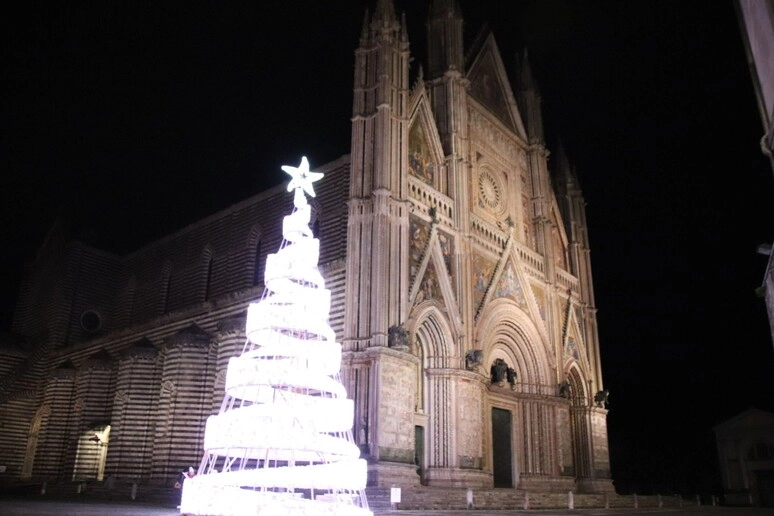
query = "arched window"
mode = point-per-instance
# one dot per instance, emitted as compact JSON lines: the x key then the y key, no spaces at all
{"x":166,"y":287}
{"x":761,"y":451}
{"x":206,"y":265}
{"x":258,"y":265}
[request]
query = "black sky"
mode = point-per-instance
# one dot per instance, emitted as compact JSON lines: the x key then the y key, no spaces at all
{"x":132,"y":119}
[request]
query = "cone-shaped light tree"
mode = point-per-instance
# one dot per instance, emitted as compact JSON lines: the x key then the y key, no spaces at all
{"x":282,"y":442}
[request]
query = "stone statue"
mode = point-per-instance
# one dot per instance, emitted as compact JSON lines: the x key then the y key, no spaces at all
{"x":601,"y":398}
{"x":398,"y":337}
{"x":564,"y":389}
{"x":498,"y":370}
{"x":510,"y":374}
{"x":473,"y":358}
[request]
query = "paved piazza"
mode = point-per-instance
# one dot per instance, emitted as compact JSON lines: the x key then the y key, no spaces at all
{"x":18,"y":507}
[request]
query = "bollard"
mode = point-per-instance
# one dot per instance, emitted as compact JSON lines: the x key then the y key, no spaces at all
{"x":394,"y":497}
{"x":636,"y":502}
{"x":607,"y":501}
{"x":698,"y":500}
{"x":80,"y":488}
{"x":570,"y":500}
{"x":134,"y":490}
{"x":43,"y":489}
{"x":470,"y":498}
{"x":660,"y":502}
{"x":526,"y":501}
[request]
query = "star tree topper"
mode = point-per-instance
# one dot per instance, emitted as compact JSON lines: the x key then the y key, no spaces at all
{"x":302,"y":178}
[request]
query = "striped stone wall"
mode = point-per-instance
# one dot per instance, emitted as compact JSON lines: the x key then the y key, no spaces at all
{"x":130,"y":450}
{"x":52,"y":441}
{"x":185,"y":401}
{"x":89,"y":434}
{"x":230,"y":342}
{"x":130,"y":398}
{"x":16,"y":413}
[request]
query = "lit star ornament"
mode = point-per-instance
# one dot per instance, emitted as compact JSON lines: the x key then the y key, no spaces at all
{"x":301,"y":177}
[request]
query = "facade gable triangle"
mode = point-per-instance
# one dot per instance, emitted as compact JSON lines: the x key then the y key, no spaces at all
{"x":433,"y":282}
{"x":508,"y":281}
{"x":489,"y":86}
{"x":425,"y":154}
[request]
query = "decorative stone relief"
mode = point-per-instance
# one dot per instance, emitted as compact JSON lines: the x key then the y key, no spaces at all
{"x":420,"y":235}
{"x":447,"y":250}
{"x":168,"y":387}
{"x":490,"y":192}
{"x":489,"y":134}
{"x":469,"y":427}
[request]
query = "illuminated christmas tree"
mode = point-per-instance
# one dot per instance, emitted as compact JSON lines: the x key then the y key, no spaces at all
{"x":282,"y":443}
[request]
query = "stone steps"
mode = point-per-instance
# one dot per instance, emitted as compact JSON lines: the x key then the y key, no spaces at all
{"x":412,"y":498}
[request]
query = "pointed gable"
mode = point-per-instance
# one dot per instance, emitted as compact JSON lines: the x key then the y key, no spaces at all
{"x":425,"y":154}
{"x":489,"y":86}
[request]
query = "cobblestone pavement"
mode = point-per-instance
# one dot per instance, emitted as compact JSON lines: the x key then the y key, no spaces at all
{"x":21,"y":507}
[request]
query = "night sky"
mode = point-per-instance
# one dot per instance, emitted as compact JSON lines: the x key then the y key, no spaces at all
{"x":131,"y":120}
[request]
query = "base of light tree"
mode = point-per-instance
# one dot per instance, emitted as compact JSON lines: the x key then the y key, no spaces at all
{"x":392,"y":474}
{"x":457,"y":477}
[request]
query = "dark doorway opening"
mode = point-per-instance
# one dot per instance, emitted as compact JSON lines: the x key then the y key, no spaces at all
{"x":502,"y":463}
{"x":419,"y":452}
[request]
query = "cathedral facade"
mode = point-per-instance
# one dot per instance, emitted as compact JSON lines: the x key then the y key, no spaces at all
{"x":458,"y":261}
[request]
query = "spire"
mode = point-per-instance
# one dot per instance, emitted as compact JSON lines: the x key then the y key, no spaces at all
{"x":563,"y":171}
{"x":384,"y":14}
{"x":529,"y":99}
{"x":442,"y":7}
{"x":364,"y":28}
{"x":444,"y":38}
{"x":525,"y":80}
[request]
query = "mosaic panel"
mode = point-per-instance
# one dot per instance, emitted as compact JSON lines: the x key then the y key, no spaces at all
{"x":487,"y":89}
{"x":430,"y":288}
{"x":540,"y":298}
{"x":421,"y":163}
{"x":571,"y":349}
{"x":509,"y":286}
{"x":482,"y":270}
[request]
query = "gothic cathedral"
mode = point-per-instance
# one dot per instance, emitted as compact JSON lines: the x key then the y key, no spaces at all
{"x":457,"y":256}
{"x":470,"y":328}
